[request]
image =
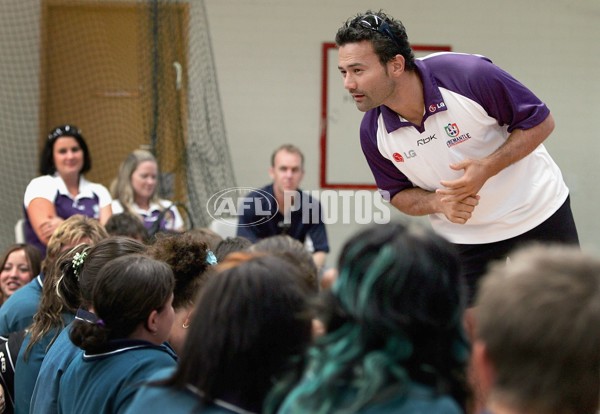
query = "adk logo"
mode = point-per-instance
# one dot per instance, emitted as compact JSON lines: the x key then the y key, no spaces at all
{"x":452,"y":130}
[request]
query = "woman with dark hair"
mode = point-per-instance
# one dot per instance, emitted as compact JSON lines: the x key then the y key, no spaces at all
{"x":246,"y":332}
{"x":17,"y":312}
{"x":19,"y":264}
{"x":123,"y":343}
{"x":62,"y":191}
{"x":394,"y":341}
{"x":62,"y":351}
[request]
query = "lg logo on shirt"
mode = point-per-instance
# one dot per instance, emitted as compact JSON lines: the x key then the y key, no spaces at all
{"x":399,"y":158}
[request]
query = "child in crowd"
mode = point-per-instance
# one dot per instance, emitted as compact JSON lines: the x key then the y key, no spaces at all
{"x":394,"y":339}
{"x":19,"y":264}
{"x":123,"y":343}
{"x":61,"y":353}
{"x":190,"y":260}
{"x":17,"y":312}
{"x":246,"y":330}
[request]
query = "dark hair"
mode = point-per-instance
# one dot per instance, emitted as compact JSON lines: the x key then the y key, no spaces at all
{"x":97,"y":256}
{"x":387,"y":43}
{"x":127,"y":224}
{"x":126,"y":291}
{"x":246,"y":329}
{"x":47,"y":157}
{"x":294,"y":251}
{"x":231,"y":244}
{"x":206,"y":235}
{"x":186,"y":256}
{"x":32,"y":254}
{"x":394,"y":314}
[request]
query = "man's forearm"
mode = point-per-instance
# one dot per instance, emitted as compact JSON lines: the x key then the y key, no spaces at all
{"x":519,"y":144}
{"x":416,"y":202}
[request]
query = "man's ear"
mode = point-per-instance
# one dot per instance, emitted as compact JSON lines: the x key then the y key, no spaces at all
{"x":272,"y":172}
{"x":397,"y":65}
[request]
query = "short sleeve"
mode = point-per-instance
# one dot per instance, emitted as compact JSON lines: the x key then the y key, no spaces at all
{"x":104,"y":197}
{"x":40,"y":187}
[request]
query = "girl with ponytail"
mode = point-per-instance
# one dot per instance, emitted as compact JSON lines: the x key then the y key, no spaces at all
{"x":123,"y":343}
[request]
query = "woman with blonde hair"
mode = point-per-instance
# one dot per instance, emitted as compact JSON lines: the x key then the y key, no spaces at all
{"x":136,"y":190}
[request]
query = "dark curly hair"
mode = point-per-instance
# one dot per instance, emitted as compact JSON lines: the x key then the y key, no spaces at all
{"x":186,"y":256}
{"x":387,"y":35}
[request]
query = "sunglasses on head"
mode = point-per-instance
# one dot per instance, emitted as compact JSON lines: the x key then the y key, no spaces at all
{"x":64,"y":130}
{"x":377,"y":24}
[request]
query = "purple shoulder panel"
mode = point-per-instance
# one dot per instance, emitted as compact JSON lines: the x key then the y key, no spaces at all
{"x":477,"y":78}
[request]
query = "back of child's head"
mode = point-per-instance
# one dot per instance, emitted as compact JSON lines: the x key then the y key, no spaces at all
{"x":249,"y":323}
{"x":230,"y":245}
{"x":126,"y":291}
{"x":74,"y":230}
{"x":187,"y":257}
{"x":98,"y":255}
{"x":127,"y":224}
{"x":294,"y":251}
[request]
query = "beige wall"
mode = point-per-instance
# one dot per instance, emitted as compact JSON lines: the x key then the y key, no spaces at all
{"x":268,"y":59}
{"x":268,"y":55}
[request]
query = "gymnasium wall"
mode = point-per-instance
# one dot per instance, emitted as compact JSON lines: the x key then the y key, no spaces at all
{"x":268,"y":59}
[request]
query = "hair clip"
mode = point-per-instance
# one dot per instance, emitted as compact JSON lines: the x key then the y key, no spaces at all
{"x":77,"y":262}
{"x":211,"y":259}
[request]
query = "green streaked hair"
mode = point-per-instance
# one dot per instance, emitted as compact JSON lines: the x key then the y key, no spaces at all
{"x":393,"y":317}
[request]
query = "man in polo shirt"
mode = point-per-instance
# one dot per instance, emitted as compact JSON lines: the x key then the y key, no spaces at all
{"x":282,"y":207}
{"x":454,"y":137}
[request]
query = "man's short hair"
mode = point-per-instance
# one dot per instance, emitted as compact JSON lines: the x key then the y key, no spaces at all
{"x":539,"y":318}
{"x":288,"y":148}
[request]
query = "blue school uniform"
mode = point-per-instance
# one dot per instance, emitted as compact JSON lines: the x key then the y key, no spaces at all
{"x":152,"y":399}
{"x":106,"y":382}
{"x":28,"y":368}
{"x":17,"y":312}
{"x":58,"y":358}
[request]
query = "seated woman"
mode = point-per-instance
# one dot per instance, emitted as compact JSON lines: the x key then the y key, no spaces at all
{"x":246,"y":330}
{"x":62,"y":190}
{"x":135,"y":190}
{"x":123,"y":344}
{"x":19,"y":264}
{"x":394,"y":339}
